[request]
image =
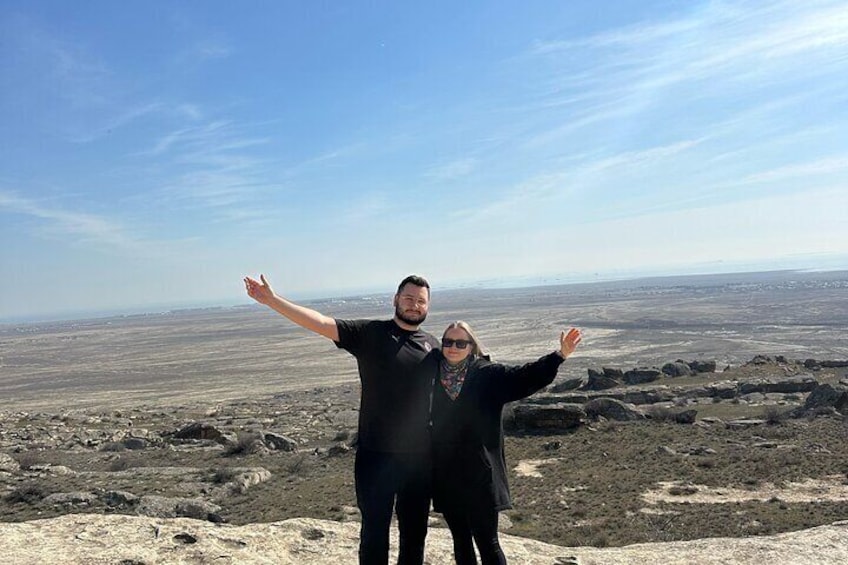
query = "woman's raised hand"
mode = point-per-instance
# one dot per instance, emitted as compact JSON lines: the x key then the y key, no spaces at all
{"x":568,"y":342}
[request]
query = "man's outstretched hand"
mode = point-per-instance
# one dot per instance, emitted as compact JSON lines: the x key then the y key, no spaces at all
{"x":259,"y":291}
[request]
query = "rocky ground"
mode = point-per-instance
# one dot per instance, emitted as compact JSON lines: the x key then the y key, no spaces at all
{"x":621,"y":456}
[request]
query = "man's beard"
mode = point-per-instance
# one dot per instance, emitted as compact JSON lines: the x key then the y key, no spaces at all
{"x":407,"y":318}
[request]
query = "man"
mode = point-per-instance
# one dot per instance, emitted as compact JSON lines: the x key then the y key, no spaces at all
{"x":392,"y":468}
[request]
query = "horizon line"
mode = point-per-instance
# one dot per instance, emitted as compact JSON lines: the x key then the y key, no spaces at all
{"x":518,"y":282}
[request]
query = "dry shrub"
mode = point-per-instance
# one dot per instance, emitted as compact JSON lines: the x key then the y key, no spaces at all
{"x":246,"y":443}
{"x":120,"y":464}
{"x":298,"y":464}
{"x":223,"y":475}
{"x":29,"y":459}
{"x":708,"y":463}
{"x":775,"y":415}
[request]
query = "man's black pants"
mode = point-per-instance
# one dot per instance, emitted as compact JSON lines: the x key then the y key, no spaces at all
{"x":387,"y":481}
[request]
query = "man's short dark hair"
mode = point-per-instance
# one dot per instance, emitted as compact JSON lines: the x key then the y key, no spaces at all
{"x":416,"y":280}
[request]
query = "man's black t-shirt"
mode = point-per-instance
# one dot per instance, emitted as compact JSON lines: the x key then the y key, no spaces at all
{"x":397,"y":371}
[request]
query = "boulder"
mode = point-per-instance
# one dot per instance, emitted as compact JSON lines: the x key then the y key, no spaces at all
{"x":827,"y":396}
{"x":686,"y":417}
{"x":648,"y":396}
{"x":811,"y":364}
{"x":677,"y":369}
{"x":550,"y":416}
{"x":724,"y":390}
{"x":641,"y":375}
{"x":566,"y":385}
{"x":698,"y":366}
{"x":613,"y":373}
{"x":279,"y":442}
{"x":612,"y":409}
{"x":601,"y":382}
{"x":246,"y":478}
{"x":201,"y":431}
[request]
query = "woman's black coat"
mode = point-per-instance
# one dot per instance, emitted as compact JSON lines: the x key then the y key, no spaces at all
{"x":469,"y":468}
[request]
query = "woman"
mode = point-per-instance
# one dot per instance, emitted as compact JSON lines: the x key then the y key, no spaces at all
{"x":469,"y":469}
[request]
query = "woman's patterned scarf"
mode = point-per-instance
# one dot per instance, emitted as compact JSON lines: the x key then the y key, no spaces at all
{"x":452,"y":376}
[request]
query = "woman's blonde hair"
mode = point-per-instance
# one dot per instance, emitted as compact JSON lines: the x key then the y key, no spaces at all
{"x":476,"y":347}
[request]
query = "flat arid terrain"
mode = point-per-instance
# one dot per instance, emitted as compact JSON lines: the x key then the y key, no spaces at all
{"x":696,"y":407}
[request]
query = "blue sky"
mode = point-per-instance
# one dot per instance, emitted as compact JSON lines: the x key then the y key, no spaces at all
{"x":153,"y":153}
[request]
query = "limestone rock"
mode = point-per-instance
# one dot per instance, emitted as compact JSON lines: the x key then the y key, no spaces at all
{"x":88,"y":539}
{"x":164,"y":507}
{"x":8,"y":464}
{"x":279,"y":442}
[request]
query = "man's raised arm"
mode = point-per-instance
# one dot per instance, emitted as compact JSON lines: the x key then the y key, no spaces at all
{"x":304,"y":317}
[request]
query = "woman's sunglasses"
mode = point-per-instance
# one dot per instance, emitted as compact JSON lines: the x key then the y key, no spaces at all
{"x":458,"y":343}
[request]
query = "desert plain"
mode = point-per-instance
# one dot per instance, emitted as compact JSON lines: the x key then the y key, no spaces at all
{"x":233,"y":415}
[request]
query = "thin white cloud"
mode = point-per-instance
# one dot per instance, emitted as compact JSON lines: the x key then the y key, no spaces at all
{"x":629,"y":36}
{"x":365,"y":208}
{"x":824,"y":166}
{"x":213,"y":166}
{"x":722,"y":44}
{"x":538,"y":192}
{"x":82,"y":227}
{"x":453,"y":170}
{"x":109,"y":124}
{"x":325,"y":159}
{"x":212,"y":50}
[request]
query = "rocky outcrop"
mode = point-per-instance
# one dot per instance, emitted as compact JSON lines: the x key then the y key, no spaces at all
{"x":789,"y":385}
{"x":87,"y":539}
